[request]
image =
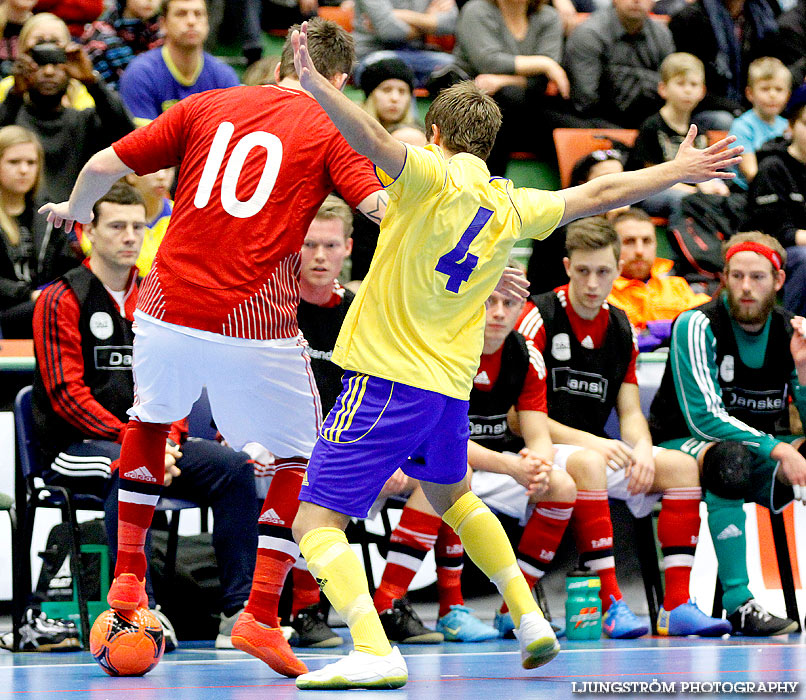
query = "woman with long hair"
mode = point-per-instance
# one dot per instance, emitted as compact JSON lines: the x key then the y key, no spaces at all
{"x":32,"y":252}
{"x":13,"y":14}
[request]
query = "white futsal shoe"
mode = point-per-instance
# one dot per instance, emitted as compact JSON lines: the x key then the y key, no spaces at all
{"x":539,"y":644}
{"x":359,"y":670}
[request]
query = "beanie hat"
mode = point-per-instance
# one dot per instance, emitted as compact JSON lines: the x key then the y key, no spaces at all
{"x":385,"y":69}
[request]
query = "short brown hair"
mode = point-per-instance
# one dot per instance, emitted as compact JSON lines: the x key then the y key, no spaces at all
{"x":591,"y":234}
{"x":681,"y":63}
{"x":755,"y":237}
{"x":468,"y":120}
{"x":335,"y":208}
{"x":165,"y":4}
{"x":631,"y":214}
{"x":331,"y":48}
{"x":120,"y":193}
{"x":768,"y":68}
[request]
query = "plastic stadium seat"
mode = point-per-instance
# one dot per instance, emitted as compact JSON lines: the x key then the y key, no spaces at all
{"x":573,"y":144}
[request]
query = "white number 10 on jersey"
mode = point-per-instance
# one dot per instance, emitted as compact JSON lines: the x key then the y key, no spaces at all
{"x":232,"y":205}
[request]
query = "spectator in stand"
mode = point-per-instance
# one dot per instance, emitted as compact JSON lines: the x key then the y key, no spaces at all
{"x":83,"y":386}
{"x":512,"y":50}
{"x":388,"y":86}
{"x":32,"y":252}
{"x":75,"y":13}
{"x":725,"y":399}
{"x":48,"y":28}
{"x":645,"y":290}
{"x":776,"y":201}
{"x":161,"y":77}
{"x":397,"y":28}
{"x":682,"y":86}
{"x":546,"y":270}
{"x":792,"y":39}
{"x":613,"y":61}
{"x":13,"y":14}
{"x":726,"y":35}
{"x":768,"y":86}
{"x":43,"y":74}
{"x":130,"y":28}
{"x":589,"y":352}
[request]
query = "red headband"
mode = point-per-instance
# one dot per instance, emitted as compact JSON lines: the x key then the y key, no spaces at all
{"x":754,"y":247}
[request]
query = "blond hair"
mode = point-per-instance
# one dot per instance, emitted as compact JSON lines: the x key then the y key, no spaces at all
{"x":755,"y":237}
{"x":370,"y":106}
{"x":33,"y":23}
{"x":681,"y":64}
{"x":14,"y":136}
{"x":768,"y":68}
{"x":468,"y":120}
{"x":335,"y":208}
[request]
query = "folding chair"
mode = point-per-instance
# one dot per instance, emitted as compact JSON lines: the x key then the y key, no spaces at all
{"x":31,"y":496}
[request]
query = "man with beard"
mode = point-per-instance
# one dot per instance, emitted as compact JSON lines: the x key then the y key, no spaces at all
{"x":723,"y":400}
{"x":69,"y":136}
{"x":645,"y":290}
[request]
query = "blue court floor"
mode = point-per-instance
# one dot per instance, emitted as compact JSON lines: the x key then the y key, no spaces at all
{"x":486,"y":671}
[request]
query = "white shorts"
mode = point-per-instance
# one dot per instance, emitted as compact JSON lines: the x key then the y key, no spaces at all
{"x":502,"y":493}
{"x":259,"y":390}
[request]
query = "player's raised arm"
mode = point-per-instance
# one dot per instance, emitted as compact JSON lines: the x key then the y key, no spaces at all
{"x":689,"y":165}
{"x":361,"y":131}
{"x":100,"y":172}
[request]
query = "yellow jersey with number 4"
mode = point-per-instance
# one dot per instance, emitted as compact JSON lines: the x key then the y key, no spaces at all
{"x":445,"y":239}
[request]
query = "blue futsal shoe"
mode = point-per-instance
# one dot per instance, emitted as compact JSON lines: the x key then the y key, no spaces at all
{"x":504,"y":625}
{"x":459,"y":625}
{"x":619,"y":622}
{"x":688,"y":619}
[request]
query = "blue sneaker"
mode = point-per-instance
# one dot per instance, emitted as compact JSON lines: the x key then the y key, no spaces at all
{"x":688,"y":619}
{"x":619,"y":622}
{"x":460,"y":626}
{"x":504,"y":625}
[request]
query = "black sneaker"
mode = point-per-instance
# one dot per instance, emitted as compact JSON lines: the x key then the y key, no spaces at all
{"x":403,"y":625}
{"x":39,"y":633}
{"x":312,"y":630}
{"x":751,"y":620}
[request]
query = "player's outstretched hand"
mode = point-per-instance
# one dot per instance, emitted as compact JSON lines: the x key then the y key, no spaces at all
{"x":306,"y":71}
{"x":699,"y":165}
{"x":60,"y":215}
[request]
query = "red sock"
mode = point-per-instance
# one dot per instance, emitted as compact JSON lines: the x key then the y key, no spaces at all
{"x":306,"y":589}
{"x":276,"y":549}
{"x":141,"y":472}
{"x":678,"y":530}
{"x":414,"y":535}
{"x":449,"y":554}
{"x":541,"y":537}
{"x":594,"y":537}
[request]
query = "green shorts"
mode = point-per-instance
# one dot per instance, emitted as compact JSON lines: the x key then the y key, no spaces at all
{"x":764,"y":489}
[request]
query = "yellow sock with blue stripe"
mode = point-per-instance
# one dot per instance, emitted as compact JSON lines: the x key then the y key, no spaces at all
{"x":487,"y":545}
{"x":342,"y":579}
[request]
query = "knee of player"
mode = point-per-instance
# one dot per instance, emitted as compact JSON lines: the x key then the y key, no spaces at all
{"x":562,"y":487}
{"x":726,"y":470}
{"x":676,"y":469}
{"x":588,"y":469}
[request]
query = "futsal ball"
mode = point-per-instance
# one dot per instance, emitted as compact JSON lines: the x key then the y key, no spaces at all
{"x":127,"y":642}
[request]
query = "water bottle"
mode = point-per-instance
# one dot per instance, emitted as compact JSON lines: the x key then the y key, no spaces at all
{"x":583,"y":608}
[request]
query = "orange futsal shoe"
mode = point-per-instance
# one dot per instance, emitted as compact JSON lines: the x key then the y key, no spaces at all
{"x":268,"y":644}
{"x":127,"y":592}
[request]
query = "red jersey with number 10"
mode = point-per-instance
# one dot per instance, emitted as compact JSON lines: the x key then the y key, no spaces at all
{"x":256,"y":164}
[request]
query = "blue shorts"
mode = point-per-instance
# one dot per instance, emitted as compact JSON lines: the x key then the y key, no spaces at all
{"x":376,"y":427}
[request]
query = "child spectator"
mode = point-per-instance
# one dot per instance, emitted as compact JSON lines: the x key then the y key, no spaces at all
{"x":777,"y":193}
{"x":388,"y":86}
{"x":768,"y":84}
{"x":130,"y":28}
{"x":32,"y":252}
{"x":682,"y":86}
{"x":13,"y":14}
